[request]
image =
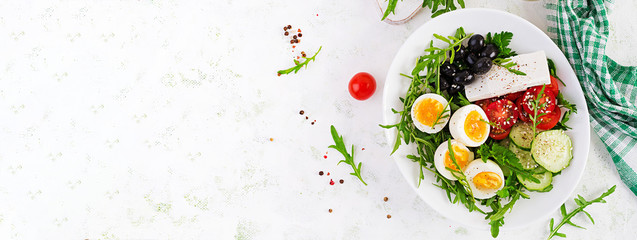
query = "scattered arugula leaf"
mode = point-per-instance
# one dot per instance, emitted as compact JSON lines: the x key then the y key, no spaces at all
{"x":298,"y":65}
{"x":448,"y":5}
{"x":339,"y":145}
{"x":566,"y":217}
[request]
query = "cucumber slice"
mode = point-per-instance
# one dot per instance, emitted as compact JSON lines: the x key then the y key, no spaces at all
{"x":545,"y":180}
{"x":522,"y":135}
{"x":525,"y":157}
{"x":553,"y":150}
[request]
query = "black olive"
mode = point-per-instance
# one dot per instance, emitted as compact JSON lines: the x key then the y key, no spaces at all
{"x":490,"y":51}
{"x":448,"y":69}
{"x":462,"y":65}
{"x":460,"y":54}
{"x":444,"y":83}
{"x":476,"y":42}
{"x":482,"y":66}
{"x":454,"y":88}
{"x":471,"y":59}
{"x":463,"y":77}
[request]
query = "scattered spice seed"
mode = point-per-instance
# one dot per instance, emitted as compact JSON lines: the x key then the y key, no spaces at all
{"x":289,"y":26}
{"x":285,"y":28}
{"x":306,"y":117}
{"x":363,"y":149}
{"x":294,"y":37}
{"x":300,"y":35}
{"x":331,"y":181}
{"x":286,"y":33}
{"x":271,"y":139}
{"x":297,"y":40}
{"x":301,"y":112}
{"x":293,"y":47}
{"x":320,"y":173}
{"x":312,"y":123}
{"x":388,"y":216}
{"x":291,"y":41}
{"x":385,"y":199}
{"x":325,"y":156}
{"x":328,"y":173}
{"x":330,"y":210}
{"x":299,"y":30}
{"x":341,"y":181}
{"x":278,"y":74}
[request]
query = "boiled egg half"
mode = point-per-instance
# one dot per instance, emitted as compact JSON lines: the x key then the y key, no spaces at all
{"x":442,"y":159}
{"x":426,"y":110}
{"x":468,"y":127}
{"x":485,"y":178}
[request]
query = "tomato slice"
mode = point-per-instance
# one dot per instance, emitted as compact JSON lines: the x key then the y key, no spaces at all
{"x":499,"y":134}
{"x":504,"y":113}
{"x":553,"y":86}
{"x":485,"y":103}
{"x":524,"y":116}
{"x":514,"y":96}
{"x":547,"y":100}
{"x":549,"y":120}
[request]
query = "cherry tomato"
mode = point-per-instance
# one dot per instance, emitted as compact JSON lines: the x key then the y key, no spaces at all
{"x":504,"y":113}
{"x":546,"y":103}
{"x":362,"y":86}
{"x":549,"y":120}
{"x":514,"y":96}
{"x":523,"y":115}
{"x":553,"y":86}
{"x":485,"y":103}
{"x":499,"y":134}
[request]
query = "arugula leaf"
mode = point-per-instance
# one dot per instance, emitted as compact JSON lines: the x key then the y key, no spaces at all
{"x":553,"y":71}
{"x":391,"y":7}
{"x":449,"y":5}
{"x":564,"y":103}
{"x":299,"y":65}
{"x":561,"y":102}
{"x":566,"y":217}
{"x":508,"y":65}
{"x":339,"y":145}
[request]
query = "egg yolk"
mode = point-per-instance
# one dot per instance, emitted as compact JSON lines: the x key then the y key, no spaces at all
{"x":475,"y":129}
{"x":461,"y":155}
{"x":487,"y":180}
{"x":427,"y":110}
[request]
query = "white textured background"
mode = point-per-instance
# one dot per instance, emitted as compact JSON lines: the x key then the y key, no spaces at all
{"x":153,"y":119}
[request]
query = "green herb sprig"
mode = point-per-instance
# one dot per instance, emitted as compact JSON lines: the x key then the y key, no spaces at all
{"x":339,"y":145}
{"x":536,"y":105}
{"x":298,"y":65}
{"x":443,"y":114}
{"x":434,"y":5}
{"x":566,"y":217}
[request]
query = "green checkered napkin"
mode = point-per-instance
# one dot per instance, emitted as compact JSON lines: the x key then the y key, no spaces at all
{"x":580,"y":28}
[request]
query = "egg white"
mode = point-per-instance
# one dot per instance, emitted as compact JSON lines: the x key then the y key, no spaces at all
{"x":439,"y":158}
{"x":456,"y":125}
{"x":443,"y":121}
{"x":477,"y":166}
